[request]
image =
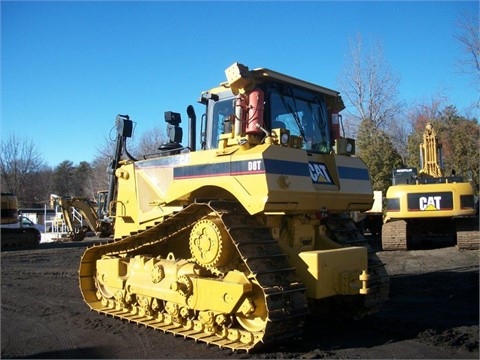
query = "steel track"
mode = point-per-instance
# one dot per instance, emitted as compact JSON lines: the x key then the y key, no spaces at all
{"x":284,"y":298}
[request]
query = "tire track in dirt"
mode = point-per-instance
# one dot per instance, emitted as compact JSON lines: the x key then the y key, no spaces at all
{"x":432,"y":313}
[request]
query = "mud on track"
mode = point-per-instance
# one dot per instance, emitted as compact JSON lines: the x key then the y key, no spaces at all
{"x":433,"y":312}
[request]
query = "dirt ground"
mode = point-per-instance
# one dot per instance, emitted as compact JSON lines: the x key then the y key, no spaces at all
{"x":433,"y":313}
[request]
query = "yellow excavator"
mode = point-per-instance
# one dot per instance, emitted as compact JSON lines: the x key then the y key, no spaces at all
{"x":91,"y":215}
{"x":13,"y":234}
{"x":428,"y":209}
{"x":236,"y":243}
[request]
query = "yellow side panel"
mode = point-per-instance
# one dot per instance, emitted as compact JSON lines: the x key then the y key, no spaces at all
{"x":334,"y":272}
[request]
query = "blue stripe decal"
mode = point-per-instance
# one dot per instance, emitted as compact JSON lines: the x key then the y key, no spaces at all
{"x":246,"y":167}
{"x":352,"y":173}
{"x":269,"y":166}
{"x":204,"y":170}
{"x":273,"y":166}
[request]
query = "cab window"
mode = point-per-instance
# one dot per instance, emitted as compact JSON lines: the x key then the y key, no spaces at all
{"x":221,"y":111}
{"x":304,"y":118}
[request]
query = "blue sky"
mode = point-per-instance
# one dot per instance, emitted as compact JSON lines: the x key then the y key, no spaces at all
{"x":68,"y":68}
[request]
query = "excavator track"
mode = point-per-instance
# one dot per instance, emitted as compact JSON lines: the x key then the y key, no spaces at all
{"x":468,"y":236}
{"x":394,"y":235}
{"x":20,"y":238}
{"x":279,"y":296}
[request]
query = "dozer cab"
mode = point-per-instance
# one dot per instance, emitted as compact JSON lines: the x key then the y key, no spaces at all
{"x":427,"y":209}
{"x":236,"y":243}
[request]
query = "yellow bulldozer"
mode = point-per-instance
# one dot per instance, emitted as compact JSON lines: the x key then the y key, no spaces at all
{"x":428,"y":209}
{"x":236,"y":243}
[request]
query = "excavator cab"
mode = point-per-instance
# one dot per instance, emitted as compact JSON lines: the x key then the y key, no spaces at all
{"x":404,"y":176}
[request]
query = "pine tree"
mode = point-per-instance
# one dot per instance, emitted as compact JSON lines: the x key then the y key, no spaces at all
{"x":377,"y":151}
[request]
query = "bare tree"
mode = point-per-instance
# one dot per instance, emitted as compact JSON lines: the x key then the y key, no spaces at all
{"x":19,"y":159}
{"x":147,"y":144}
{"x":101,"y":163}
{"x":99,"y":179}
{"x":151,"y":140}
{"x":468,"y":36}
{"x":44,"y":181}
{"x":368,"y":85}
{"x":99,"y":174}
{"x":370,"y":90}
{"x":398,"y":135}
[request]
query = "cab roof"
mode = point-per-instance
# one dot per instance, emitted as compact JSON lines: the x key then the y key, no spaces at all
{"x":262,"y":73}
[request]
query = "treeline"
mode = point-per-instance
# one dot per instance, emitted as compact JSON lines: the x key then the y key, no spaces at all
{"x":458,"y":136}
{"x":24,"y":173}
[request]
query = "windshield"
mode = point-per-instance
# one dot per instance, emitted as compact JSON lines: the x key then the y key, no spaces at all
{"x":219,"y":113}
{"x":303,"y":113}
{"x":304,"y":118}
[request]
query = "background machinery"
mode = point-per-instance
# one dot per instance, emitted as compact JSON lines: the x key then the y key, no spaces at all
{"x":428,"y":208}
{"x":91,"y":215}
{"x":235,"y":244}
{"x":13,"y":234}
{"x":374,"y":217}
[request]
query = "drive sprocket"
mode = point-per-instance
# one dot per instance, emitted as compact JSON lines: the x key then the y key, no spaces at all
{"x":210,"y":244}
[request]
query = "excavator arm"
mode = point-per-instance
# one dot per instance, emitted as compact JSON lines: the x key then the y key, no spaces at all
{"x":89,"y":215}
{"x":85,"y":209}
{"x":98,"y":220}
{"x":431,"y":154}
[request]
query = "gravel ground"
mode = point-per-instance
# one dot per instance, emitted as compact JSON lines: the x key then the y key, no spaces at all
{"x":433,"y":313}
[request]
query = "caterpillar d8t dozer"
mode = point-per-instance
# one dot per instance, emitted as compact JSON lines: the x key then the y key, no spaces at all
{"x":234,"y":244}
{"x":429,"y":209}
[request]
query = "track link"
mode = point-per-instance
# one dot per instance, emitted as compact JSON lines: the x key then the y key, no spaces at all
{"x":468,"y":236}
{"x":283,"y":295}
{"x":394,"y":235}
